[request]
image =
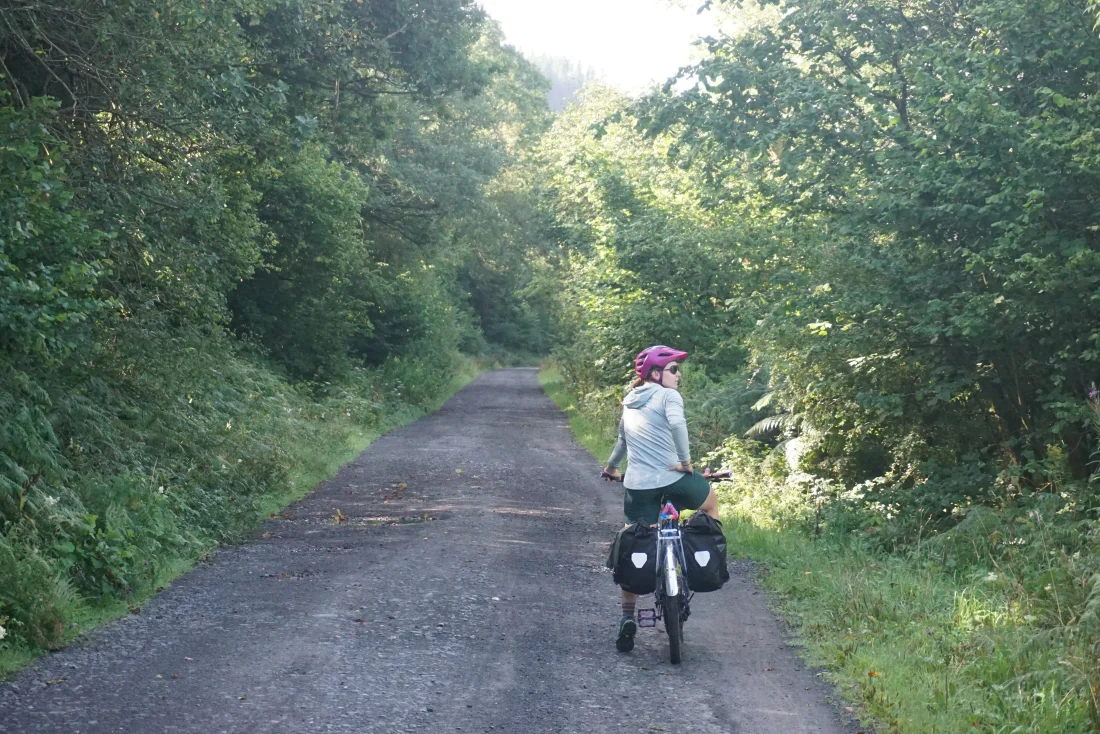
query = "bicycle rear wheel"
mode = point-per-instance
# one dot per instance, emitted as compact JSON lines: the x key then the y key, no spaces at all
{"x":674,"y":626}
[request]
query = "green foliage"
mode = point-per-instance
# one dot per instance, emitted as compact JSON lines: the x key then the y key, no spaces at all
{"x":50,"y":256}
{"x":36,"y":599}
{"x":641,"y":266}
{"x":864,"y":203}
{"x":938,"y":265}
{"x":918,"y":648}
{"x":173,"y":460}
{"x":308,"y":302}
{"x":988,"y":626}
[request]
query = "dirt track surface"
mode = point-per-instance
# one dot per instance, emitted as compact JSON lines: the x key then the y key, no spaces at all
{"x":465,"y":593}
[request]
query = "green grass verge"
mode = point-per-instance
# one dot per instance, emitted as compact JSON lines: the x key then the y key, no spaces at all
{"x":595,"y":436}
{"x":912,"y":647}
{"x":315,"y":461}
{"x":319,"y":461}
{"x":915,"y":647}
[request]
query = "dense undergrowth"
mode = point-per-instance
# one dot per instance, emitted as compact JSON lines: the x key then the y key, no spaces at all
{"x":165,"y":472}
{"x":988,"y":627}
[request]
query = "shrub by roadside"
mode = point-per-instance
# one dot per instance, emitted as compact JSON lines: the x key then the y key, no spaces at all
{"x":159,"y":468}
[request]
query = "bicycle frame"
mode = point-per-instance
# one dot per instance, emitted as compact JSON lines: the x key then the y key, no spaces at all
{"x":671,"y":580}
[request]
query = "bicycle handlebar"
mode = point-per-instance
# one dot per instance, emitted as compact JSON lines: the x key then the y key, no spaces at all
{"x":715,"y":476}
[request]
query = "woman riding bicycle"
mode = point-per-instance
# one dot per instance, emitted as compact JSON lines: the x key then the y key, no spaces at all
{"x":653,"y":436}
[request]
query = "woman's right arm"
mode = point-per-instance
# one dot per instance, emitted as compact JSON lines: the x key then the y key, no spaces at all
{"x":618,"y":453}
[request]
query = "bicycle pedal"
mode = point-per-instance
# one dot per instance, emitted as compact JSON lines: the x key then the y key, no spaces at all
{"x":647,"y":617}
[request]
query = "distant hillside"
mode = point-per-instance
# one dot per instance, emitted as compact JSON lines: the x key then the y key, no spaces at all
{"x":566,"y":78}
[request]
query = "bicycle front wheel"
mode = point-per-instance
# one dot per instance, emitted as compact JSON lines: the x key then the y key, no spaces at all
{"x":674,"y":626}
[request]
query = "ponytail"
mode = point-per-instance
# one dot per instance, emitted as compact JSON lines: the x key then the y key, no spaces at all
{"x":639,"y":381}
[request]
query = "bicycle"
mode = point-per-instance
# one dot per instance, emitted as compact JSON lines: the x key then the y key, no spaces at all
{"x":672,"y":597}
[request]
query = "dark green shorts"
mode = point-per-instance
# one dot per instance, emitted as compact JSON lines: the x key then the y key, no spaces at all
{"x":687,"y":493}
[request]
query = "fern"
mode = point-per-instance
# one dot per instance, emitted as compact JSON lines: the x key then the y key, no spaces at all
{"x":765,"y":402}
{"x":775,"y":424}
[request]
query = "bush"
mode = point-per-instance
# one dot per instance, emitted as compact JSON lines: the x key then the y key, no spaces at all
{"x":108,"y":488}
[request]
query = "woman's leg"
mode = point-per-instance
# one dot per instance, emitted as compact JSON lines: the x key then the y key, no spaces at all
{"x":710,"y":506}
{"x":630,"y":603}
{"x":627,"y":626}
{"x":693,"y":492}
{"x":638,"y":504}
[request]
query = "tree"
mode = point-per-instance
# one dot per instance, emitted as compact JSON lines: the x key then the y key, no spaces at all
{"x":940,"y":150}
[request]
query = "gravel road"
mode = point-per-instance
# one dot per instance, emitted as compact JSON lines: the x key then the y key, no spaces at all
{"x":464,"y":592}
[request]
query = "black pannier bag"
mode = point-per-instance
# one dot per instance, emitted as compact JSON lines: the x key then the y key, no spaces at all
{"x":634,"y":558}
{"x":705,"y":553}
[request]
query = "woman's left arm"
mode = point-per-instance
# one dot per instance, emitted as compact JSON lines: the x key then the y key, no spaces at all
{"x":618,"y":453}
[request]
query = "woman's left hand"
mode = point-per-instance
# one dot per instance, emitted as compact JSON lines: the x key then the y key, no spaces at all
{"x":684,"y":466}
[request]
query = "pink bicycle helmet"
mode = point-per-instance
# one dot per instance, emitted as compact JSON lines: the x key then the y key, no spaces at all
{"x":656,"y":358}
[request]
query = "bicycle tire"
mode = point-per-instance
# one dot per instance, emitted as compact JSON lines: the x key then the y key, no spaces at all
{"x":674,"y":627}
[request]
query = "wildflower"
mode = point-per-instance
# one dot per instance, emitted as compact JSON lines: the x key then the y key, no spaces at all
{"x":3,"y":632}
{"x":51,"y":501}
{"x":1094,"y":393}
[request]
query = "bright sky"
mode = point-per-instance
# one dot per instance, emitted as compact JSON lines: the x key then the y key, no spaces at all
{"x":630,"y":43}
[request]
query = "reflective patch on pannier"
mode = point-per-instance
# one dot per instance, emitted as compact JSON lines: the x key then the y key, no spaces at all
{"x":702,"y":557}
{"x":638,"y":559}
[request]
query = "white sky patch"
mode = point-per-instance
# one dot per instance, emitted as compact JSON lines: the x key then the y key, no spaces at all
{"x":630,"y":43}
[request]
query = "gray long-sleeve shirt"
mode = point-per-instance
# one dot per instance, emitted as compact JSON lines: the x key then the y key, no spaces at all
{"x":653,"y":435}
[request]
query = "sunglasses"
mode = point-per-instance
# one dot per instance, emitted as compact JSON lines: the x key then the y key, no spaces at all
{"x":674,"y":369}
